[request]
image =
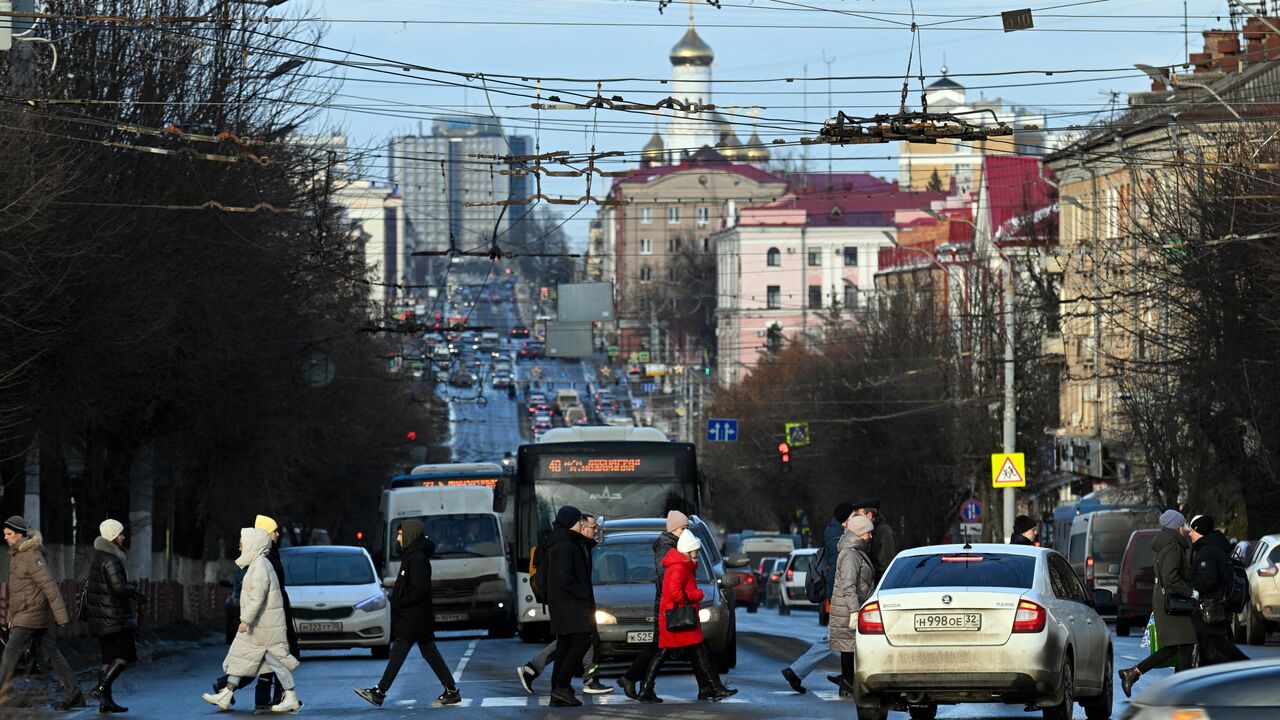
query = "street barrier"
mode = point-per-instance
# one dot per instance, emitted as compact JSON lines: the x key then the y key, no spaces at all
{"x":168,"y":603}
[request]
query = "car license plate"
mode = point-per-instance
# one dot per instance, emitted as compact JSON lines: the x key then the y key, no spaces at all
{"x":450,"y":617}
{"x":936,"y":622}
{"x":319,"y":627}
{"x":640,"y":637}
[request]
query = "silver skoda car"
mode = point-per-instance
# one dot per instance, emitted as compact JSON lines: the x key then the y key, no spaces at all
{"x":983,"y":624}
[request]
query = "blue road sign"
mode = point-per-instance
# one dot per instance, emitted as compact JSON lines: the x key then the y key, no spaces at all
{"x":971,"y":511}
{"x":722,"y":430}
{"x":649,"y":387}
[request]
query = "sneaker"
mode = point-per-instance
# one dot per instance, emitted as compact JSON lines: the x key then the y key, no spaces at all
{"x":526,"y":676}
{"x":593,"y":687}
{"x":448,"y":697}
{"x":374,"y":695}
{"x":564,"y":698}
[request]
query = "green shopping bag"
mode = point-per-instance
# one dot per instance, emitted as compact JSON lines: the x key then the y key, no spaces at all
{"x":1151,"y":640}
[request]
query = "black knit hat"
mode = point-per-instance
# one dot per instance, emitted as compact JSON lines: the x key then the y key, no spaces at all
{"x":867,"y":504}
{"x":1022,"y":523}
{"x":1202,"y":524}
{"x":17,"y":524}
{"x":842,"y":512}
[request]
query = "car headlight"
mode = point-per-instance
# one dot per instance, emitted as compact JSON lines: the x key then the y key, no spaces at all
{"x":604,"y":618}
{"x":373,"y":603}
{"x":706,"y":615}
{"x":1172,"y":714}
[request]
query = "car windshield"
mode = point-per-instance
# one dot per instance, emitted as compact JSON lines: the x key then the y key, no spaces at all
{"x":961,"y":569}
{"x":622,"y":563}
{"x":457,"y":536}
{"x":315,"y":568}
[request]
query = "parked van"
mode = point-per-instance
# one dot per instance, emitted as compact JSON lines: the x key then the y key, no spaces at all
{"x":1097,"y":544}
{"x":1137,"y":578}
{"x":566,"y":398}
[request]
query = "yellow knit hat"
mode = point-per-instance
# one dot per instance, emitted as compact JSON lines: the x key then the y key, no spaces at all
{"x":266,"y":524}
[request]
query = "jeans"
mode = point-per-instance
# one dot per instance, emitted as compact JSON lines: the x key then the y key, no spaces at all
{"x":539,"y":661}
{"x":40,"y":640}
{"x":812,"y":658}
{"x":570,"y":649}
{"x":400,"y":650}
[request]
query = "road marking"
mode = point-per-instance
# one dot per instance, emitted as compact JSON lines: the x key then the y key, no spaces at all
{"x":466,"y":658}
{"x":505,"y":702}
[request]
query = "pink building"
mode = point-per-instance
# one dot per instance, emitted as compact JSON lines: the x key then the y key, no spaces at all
{"x":785,"y":268}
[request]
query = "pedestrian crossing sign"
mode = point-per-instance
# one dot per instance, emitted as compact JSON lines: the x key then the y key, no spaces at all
{"x":1008,"y":470}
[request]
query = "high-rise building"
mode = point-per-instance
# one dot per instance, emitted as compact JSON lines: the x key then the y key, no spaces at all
{"x":438,"y":175}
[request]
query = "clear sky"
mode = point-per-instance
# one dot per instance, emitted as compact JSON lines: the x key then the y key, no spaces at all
{"x":766,"y":40}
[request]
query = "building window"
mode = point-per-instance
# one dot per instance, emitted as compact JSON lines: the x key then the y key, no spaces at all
{"x":673,"y":244}
{"x":773,"y":297}
{"x":673,"y":214}
{"x":773,"y":339}
{"x":815,"y":297}
{"x":851,"y":257}
{"x":815,"y":257}
{"x":706,"y":244}
{"x":645,"y":274}
{"x":774,"y":258}
{"x":646,"y":215}
{"x":646,"y":246}
{"x":850,"y":295}
{"x":704,"y":215}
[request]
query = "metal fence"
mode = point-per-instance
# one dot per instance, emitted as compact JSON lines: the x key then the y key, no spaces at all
{"x":168,"y":603}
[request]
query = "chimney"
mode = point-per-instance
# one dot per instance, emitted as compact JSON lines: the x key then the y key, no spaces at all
{"x":1223,"y":48}
{"x":1255,"y":33}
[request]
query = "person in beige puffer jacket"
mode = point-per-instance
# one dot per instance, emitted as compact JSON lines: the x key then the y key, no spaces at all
{"x":34,"y":605}
{"x":262,"y":644}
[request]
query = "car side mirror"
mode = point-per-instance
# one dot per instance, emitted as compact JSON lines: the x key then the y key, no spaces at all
{"x":1103,"y":597}
{"x":737,"y":560}
{"x":1114,"y":568}
{"x":730,"y":581}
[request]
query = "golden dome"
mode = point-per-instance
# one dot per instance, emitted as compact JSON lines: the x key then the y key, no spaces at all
{"x":756,"y":150}
{"x":691,"y":50}
{"x":730,"y":146}
{"x":652,"y":150}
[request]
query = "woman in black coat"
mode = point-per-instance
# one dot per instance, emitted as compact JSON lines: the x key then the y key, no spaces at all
{"x":107,"y":610}
{"x":412,"y":618}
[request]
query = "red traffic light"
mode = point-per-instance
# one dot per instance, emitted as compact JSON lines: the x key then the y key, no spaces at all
{"x":411,"y":435}
{"x":359,"y":534}
{"x":784,"y":448}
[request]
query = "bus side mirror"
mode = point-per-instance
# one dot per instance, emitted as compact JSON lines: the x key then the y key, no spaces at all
{"x":500,"y":496}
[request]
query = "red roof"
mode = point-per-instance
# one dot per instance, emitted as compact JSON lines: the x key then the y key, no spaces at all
{"x":853,"y":208}
{"x":1016,"y":189}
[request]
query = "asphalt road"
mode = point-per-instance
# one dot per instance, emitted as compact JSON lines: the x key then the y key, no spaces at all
{"x":485,"y":671}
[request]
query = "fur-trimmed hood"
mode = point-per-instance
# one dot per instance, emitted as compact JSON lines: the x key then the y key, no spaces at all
{"x":33,"y":541}
{"x":102,"y":544}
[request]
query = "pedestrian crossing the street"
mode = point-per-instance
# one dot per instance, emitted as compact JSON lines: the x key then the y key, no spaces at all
{"x":535,"y":701}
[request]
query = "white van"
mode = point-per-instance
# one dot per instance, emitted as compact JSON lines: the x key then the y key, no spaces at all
{"x":1097,"y":544}
{"x":471,"y":583}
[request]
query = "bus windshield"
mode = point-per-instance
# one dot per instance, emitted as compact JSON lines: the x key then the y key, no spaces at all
{"x":456,"y":536}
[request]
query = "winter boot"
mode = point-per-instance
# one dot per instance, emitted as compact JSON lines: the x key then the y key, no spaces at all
{"x":564,"y":697}
{"x":1128,"y":678}
{"x":628,"y":687}
{"x":712,"y":689}
{"x":647,"y":693}
{"x":375,"y":695}
{"x":288,"y":703}
{"x":221,"y":699}
{"x":102,"y":691}
{"x":793,"y":680}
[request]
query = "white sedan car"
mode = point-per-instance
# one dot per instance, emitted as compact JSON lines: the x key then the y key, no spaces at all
{"x":337,"y":599}
{"x":983,"y":624}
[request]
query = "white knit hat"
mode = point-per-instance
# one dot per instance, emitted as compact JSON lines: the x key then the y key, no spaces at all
{"x":110,"y":529}
{"x":688,"y":543}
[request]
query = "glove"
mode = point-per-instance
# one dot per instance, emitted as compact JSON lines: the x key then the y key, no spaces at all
{"x":1195,"y":594}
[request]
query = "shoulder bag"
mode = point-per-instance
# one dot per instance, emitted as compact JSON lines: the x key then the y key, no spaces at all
{"x":682,"y":617}
{"x":1179,"y":605}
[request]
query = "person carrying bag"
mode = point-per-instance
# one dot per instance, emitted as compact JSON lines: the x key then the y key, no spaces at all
{"x":1177,"y":636}
{"x":678,"y":626}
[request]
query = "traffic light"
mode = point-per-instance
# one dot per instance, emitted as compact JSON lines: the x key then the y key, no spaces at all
{"x":359,"y":534}
{"x":784,"y":456}
{"x":411,"y":435}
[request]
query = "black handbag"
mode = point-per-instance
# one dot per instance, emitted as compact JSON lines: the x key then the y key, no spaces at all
{"x":1213,"y":611}
{"x":683,"y":617}
{"x":1179,"y":605}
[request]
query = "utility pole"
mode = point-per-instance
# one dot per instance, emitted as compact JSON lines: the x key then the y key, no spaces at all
{"x":830,"y":110}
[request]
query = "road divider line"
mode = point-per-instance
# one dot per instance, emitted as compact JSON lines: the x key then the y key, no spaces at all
{"x":462,"y":663}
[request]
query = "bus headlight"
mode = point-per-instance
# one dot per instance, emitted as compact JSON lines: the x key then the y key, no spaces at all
{"x":604,"y":618}
{"x":373,"y":603}
{"x":706,"y":615}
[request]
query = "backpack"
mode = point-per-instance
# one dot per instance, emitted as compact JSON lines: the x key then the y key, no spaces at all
{"x":1237,"y":590}
{"x":537,"y":574}
{"x":816,"y":580}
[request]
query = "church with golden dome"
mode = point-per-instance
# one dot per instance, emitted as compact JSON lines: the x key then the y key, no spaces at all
{"x":687,"y":133}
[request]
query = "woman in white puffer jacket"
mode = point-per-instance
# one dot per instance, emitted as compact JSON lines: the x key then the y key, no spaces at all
{"x":262,"y":644}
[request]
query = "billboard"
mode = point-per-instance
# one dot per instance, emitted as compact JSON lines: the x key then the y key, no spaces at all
{"x":568,"y":340}
{"x":585,"y":302}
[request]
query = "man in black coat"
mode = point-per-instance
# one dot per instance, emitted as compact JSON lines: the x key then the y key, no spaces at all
{"x":884,"y":544}
{"x":412,"y":617}
{"x":1210,"y":576}
{"x":571,"y":601}
{"x":1025,"y":531}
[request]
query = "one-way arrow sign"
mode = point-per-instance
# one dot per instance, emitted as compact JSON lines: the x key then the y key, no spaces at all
{"x":722,"y":430}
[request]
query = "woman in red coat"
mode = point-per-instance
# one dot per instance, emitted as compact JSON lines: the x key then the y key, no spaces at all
{"x":680,"y":587}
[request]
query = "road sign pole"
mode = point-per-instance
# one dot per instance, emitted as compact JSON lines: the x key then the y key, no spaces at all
{"x":1010,"y":399}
